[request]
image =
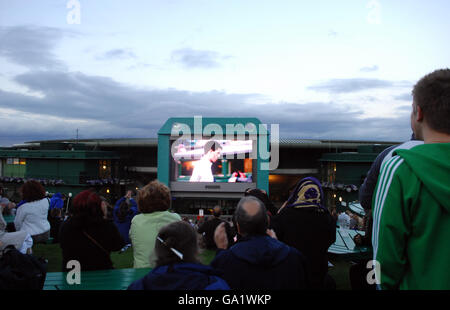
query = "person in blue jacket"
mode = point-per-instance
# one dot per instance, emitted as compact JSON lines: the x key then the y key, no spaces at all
{"x":177,"y":265}
{"x":124,"y":211}
{"x":258,"y":260}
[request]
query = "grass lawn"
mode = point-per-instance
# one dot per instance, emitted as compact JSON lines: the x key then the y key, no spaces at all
{"x":52,"y":252}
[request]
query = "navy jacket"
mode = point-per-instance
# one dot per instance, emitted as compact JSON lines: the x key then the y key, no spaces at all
{"x":124,"y":226}
{"x":261,"y":262}
{"x":182,"y":276}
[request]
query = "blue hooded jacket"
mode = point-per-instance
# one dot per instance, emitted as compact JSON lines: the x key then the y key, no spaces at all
{"x":124,"y":226}
{"x":182,"y":276}
{"x":56,"y":201}
{"x":262,"y":262}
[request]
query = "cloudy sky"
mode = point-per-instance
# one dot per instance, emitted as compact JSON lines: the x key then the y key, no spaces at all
{"x":116,"y":69}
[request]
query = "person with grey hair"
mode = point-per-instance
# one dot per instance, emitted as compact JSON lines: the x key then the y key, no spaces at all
{"x":258,"y":260}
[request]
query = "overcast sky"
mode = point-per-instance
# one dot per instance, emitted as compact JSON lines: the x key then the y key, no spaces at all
{"x":116,"y":69}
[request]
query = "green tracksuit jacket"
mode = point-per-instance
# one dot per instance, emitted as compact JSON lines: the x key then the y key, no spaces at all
{"x":411,"y":231}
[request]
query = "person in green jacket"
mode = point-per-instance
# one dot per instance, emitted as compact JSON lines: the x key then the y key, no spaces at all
{"x":411,"y":230}
{"x":153,"y":203}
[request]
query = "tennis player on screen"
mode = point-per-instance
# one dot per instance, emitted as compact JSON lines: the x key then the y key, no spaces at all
{"x":202,"y":168}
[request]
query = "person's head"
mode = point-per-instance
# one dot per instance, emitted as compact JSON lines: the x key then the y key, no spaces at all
{"x":155,"y":196}
{"x":129,"y":193}
{"x":251,"y":217}
{"x":88,"y":205}
{"x":431,"y":103}
{"x":124,"y":209}
{"x":261,"y":195}
{"x":217,"y":211}
{"x":212,"y":150}
{"x":32,"y":191}
{"x":180,"y":236}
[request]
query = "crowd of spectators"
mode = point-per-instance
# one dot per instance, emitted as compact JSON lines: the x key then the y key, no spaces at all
{"x":405,"y":197}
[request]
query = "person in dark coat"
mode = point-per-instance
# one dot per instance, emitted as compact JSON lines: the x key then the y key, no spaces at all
{"x":257,"y":260}
{"x":305,"y":224}
{"x":177,"y":265}
{"x":208,"y":228}
{"x":124,"y":211}
{"x":87,"y":236}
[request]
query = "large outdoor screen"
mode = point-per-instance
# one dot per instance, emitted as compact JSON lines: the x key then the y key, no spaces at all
{"x":208,"y":160}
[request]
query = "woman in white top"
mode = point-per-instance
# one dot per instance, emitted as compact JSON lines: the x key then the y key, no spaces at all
{"x":32,"y":215}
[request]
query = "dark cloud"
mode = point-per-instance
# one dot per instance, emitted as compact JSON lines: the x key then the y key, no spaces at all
{"x":191,"y":58}
{"x":32,"y":46}
{"x":336,"y":86}
{"x":118,"y":53}
{"x":369,"y":69}
{"x":101,"y":107}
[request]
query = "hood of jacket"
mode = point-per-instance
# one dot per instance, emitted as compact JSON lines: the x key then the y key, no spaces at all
{"x":260,"y":250}
{"x":182,"y":276}
{"x":431,"y":164}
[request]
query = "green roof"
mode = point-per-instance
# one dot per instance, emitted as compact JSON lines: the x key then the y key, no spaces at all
{"x":59,"y":154}
{"x":222,"y":122}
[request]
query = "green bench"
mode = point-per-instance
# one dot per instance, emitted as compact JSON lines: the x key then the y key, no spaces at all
{"x":112,"y":279}
{"x":344,"y":245}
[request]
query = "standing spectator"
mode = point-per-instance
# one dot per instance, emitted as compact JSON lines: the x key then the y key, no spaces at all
{"x":411,"y":226}
{"x":87,"y":236}
{"x":32,"y":215}
{"x":55,"y":217}
{"x":177,"y":265}
{"x":257,"y":260}
{"x":124,"y":211}
{"x":306,"y":224}
{"x":208,"y":228}
{"x":153,"y":204}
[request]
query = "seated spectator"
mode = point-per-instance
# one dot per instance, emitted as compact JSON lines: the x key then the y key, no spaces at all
{"x":87,"y":236}
{"x":124,"y":211}
{"x":257,"y":260}
{"x":32,"y":215}
{"x":306,"y":224}
{"x":153,"y":204}
{"x":21,"y":240}
{"x":208,"y":228}
{"x":177,"y":265}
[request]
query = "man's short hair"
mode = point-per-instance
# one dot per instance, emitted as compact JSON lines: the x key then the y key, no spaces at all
{"x":255,"y":224}
{"x":155,"y":196}
{"x":432,"y":95}
{"x":212,"y":145}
